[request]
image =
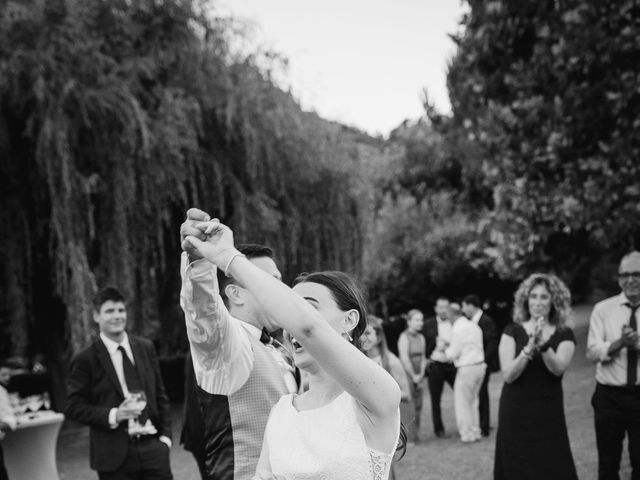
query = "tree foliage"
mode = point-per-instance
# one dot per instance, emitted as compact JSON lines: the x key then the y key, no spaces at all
{"x":115,"y":118}
{"x":549,"y":93}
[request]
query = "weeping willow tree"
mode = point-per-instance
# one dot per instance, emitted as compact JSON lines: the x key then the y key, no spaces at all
{"x":117,"y":116}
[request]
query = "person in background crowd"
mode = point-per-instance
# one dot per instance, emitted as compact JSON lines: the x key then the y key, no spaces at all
{"x":612,"y":342}
{"x":535,"y":351}
{"x":374,"y":345}
{"x":240,"y":375}
{"x":350,"y":398}
{"x":411,"y":347}
{"x":393,"y":327}
{"x":126,"y":440}
{"x":466,"y":352}
{"x":7,"y":418}
{"x":437,"y":334}
{"x":490,"y":339}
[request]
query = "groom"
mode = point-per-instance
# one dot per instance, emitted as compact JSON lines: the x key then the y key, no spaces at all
{"x":239,"y":373}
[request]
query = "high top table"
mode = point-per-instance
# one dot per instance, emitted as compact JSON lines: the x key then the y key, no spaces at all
{"x":30,"y":450}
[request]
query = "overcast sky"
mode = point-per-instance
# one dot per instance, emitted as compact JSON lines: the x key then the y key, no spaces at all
{"x":361,"y":62}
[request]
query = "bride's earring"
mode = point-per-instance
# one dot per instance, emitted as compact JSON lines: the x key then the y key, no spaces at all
{"x":349,"y":337}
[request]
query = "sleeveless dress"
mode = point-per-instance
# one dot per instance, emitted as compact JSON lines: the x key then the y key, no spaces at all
{"x":532,"y":441}
{"x":324,"y":443}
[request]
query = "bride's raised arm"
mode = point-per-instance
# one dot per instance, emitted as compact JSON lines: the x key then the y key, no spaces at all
{"x":368,"y":383}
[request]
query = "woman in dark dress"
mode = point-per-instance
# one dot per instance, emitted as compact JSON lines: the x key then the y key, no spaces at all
{"x":532,"y":441}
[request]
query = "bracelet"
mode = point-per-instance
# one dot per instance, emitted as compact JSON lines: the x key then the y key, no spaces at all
{"x":226,"y":269}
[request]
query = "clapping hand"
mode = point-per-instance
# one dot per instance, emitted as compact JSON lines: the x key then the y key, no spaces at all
{"x":629,"y":337}
{"x":538,"y":340}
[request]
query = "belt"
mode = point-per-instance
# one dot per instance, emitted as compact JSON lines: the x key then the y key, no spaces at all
{"x":620,"y":388}
{"x":471,"y":365}
{"x":137,"y":438}
{"x":444,"y":364}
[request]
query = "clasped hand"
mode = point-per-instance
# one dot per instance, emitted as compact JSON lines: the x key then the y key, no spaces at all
{"x":201,"y":237}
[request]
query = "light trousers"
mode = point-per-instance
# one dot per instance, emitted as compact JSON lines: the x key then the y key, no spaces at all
{"x":465,"y":396}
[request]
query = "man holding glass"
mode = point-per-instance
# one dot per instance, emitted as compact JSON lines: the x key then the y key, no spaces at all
{"x":115,"y":387}
{"x":613,"y":343}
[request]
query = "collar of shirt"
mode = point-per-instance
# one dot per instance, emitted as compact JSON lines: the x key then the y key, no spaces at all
{"x":622,"y":299}
{"x":112,"y":346}
{"x":252,"y":330}
{"x":441,"y":320}
{"x":289,"y":378}
{"x":476,"y":316}
{"x":461,"y":319}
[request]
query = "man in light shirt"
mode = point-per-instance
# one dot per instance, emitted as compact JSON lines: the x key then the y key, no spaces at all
{"x":613,"y":343}
{"x":466,"y":352}
{"x":240,"y":371}
{"x":490,"y":340}
{"x":437,"y":335}
{"x":126,"y":439}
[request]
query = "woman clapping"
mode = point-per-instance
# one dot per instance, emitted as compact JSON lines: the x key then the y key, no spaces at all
{"x":532,"y":441}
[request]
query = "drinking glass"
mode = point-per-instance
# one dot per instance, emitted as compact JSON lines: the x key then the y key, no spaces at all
{"x":137,"y":401}
{"x":35,"y":402}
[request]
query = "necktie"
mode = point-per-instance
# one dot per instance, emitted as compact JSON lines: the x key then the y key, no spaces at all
{"x":132,"y":380}
{"x":632,"y":354}
{"x":283,"y":351}
{"x":265,"y":337}
{"x":130,"y":373}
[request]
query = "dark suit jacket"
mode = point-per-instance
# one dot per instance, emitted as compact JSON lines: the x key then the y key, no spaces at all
{"x":93,"y":390}
{"x":489,"y":342}
{"x":430,"y":332}
{"x":193,"y":435}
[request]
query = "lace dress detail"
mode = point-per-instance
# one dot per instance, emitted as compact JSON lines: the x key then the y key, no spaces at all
{"x":380,"y":465}
{"x":325,"y":443}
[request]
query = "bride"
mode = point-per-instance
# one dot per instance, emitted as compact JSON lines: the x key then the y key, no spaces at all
{"x":347,"y":424}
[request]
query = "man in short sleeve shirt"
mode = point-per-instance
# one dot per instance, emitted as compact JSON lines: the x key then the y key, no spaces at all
{"x":613,"y":344}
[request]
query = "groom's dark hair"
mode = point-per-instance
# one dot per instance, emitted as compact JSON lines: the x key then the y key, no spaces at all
{"x":250,"y":250}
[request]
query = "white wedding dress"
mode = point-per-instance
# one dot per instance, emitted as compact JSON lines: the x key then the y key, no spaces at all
{"x":324,"y":443}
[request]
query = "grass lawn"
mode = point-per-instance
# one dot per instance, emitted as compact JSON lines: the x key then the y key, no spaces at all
{"x":433,"y":459}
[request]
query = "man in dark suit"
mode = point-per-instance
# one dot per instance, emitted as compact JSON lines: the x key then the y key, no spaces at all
{"x":126,"y":442}
{"x":472,"y":310}
{"x":437,"y":335}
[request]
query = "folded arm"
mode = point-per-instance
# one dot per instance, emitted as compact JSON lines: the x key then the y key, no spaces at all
{"x":454,"y":349}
